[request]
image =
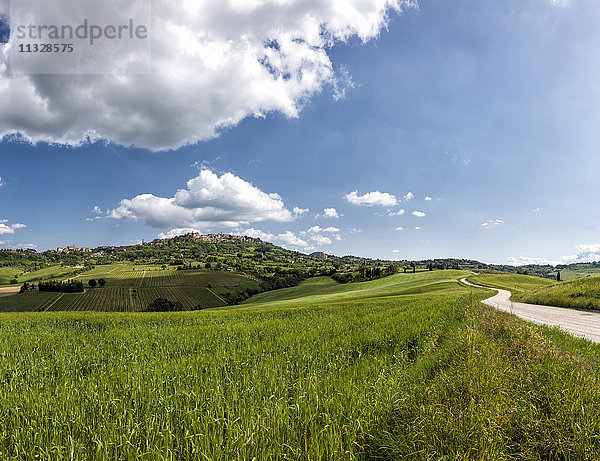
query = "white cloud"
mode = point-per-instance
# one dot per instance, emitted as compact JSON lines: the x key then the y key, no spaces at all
{"x":329,"y":213}
{"x":417,"y":228}
{"x":492,"y":223}
{"x":320,"y":239}
{"x":418,"y":214}
{"x":395,"y":251}
{"x":371,"y":199}
{"x":213,"y":64}
{"x":97,"y":210}
{"x":1,"y":182}
{"x":408,"y":197}
{"x":258,"y":234}
{"x":299,"y":211}
{"x":537,"y":210}
{"x":396,"y":213}
{"x":400,"y":228}
{"x":317,"y":229}
{"x":287,"y":238}
{"x":290,"y":238}
{"x":428,"y":198}
{"x":9,"y":229}
{"x":208,"y":202}
{"x":585,"y":253}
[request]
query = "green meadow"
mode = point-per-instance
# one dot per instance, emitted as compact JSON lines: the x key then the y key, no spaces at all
{"x":517,"y":284}
{"x":415,"y":367}
{"x":582,"y":293}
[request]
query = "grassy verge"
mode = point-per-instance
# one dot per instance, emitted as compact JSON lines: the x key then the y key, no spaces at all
{"x":428,"y":374}
{"x":581,"y":293}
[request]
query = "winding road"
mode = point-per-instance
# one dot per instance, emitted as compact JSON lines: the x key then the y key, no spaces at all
{"x":584,"y":324}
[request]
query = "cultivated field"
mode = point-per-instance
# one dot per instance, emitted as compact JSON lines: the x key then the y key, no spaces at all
{"x":131,"y":288}
{"x":428,"y":374}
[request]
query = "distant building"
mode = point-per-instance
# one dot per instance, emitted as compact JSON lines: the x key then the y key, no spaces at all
{"x":73,"y":248}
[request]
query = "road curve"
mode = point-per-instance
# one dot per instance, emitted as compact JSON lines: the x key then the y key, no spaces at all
{"x":583,"y":324}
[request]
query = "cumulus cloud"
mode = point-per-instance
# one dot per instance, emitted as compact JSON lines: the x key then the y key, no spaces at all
{"x":97,"y":210}
{"x":258,"y":234}
{"x":329,"y":213}
{"x":213,"y":64}
{"x":418,"y":214}
{"x":208,"y":202}
{"x":9,"y":228}
{"x":299,"y":211}
{"x":408,"y":197}
{"x":320,"y":239}
{"x":428,"y":198}
{"x":1,"y":182}
{"x":399,"y":228}
{"x":292,"y":239}
{"x":371,"y":199}
{"x":492,"y":223}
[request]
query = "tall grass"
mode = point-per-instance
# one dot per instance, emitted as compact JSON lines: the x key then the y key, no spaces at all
{"x":421,"y":376}
{"x":581,"y":293}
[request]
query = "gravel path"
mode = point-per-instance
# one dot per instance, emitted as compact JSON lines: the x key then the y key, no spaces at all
{"x":585,"y":324}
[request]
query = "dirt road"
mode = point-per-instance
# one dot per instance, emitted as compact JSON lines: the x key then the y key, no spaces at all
{"x":584,"y":324}
{"x":7,"y":291}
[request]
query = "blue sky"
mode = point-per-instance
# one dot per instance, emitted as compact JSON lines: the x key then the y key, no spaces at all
{"x":488,"y":108}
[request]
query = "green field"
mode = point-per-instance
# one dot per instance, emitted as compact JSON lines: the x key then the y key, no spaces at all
{"x":47,"y":273}
{"x":572,"y":274}
{"x":7,"y":274}
{"x":131,"y":288}
{"x":324,"y":289}
{"x":515,"y":283}
{"x":414,"y":368}
{"x":583,"y":293}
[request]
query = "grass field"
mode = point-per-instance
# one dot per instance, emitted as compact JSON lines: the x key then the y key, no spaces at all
{"x":57,"y":271}
{"x":572,"y":274}
{"x":7,"y":274}
{"x":324,"y":289}
{"x":515,"y":283}
{"x":131,"y":288}
{"x":428,"y":374}
{"x":583,"y":293}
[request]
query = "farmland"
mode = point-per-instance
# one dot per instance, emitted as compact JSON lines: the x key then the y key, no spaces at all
{"x":131,"y":288}
{"x":383,"y":375}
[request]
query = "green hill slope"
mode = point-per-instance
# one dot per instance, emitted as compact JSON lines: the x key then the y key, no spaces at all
{"x":515,"y":283}
{"x":578,"y":294}
{"x":324,"y":289}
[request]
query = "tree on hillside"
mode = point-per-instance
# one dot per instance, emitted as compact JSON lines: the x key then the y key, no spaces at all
{"x":101,"y":282}
{"x":92,"y":283}
{"x":164,"y":305}
{"x":558,"y":276}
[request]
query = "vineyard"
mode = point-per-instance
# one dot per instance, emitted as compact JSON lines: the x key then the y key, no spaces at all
{"x":131,"y":288}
